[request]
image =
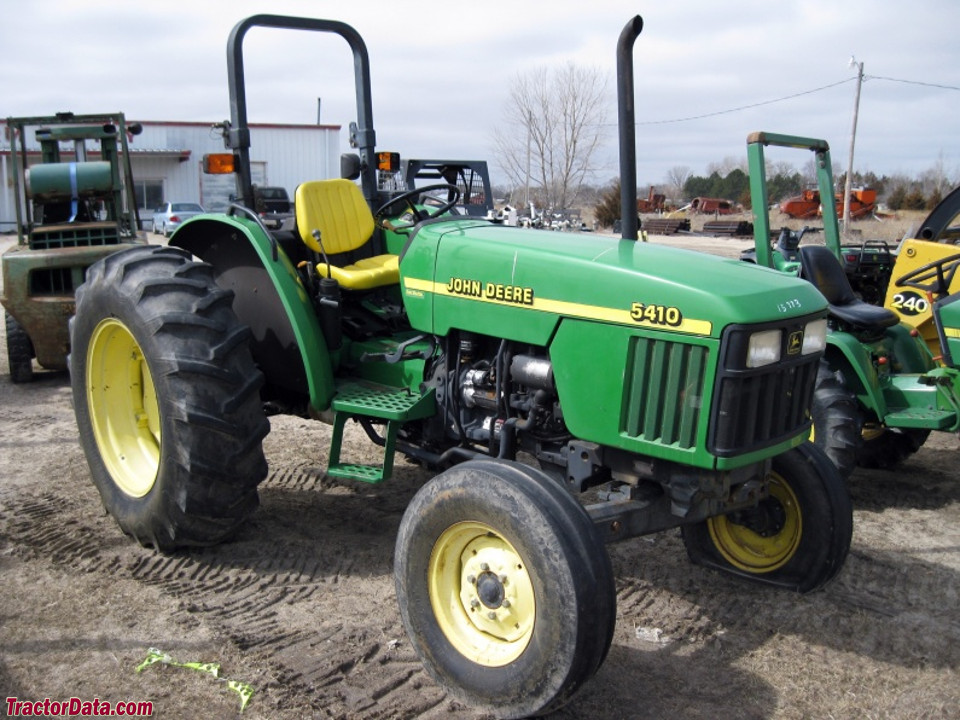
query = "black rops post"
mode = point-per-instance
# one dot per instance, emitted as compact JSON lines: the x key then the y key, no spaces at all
{"x":627,"y":127}
{"x":238,"y":135}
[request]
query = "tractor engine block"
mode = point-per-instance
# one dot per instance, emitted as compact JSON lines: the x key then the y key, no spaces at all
{"x":494,"y":385}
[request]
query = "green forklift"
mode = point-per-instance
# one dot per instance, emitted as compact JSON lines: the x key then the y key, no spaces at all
{"x":72,"y":210}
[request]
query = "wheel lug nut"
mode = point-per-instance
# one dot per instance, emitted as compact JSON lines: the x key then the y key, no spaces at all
{"x":484,"y":567}
{"x":506,"y":603}
{"x":471,"y":579}
{"x":492,"y":615}
{"x":503,"y":579}
{"x":474,"y":603}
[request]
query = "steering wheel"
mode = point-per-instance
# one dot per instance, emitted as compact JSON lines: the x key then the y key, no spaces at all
{"x":942,"y":270}
{"x":420,"y":214}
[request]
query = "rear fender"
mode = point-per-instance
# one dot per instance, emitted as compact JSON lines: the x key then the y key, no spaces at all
{"x":270,"y":298}
{"x":846,"y":354}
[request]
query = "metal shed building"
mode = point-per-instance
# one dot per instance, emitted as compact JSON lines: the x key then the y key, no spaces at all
{"x":167,"y":163}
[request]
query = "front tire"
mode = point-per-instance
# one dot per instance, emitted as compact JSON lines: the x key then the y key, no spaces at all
{"x":505,"y":587}
{"x":166,"y":397}
{"x":19,"y":351}
{"x":797,"y":538}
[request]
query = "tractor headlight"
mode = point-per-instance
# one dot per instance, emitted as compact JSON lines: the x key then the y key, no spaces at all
{"x":814,"y":336}
{"x":764,"y":348}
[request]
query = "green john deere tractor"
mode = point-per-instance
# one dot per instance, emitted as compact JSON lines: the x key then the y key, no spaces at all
{"x":674,"y":385}
{"x":71,"y":212}
{"x":880,"y":389}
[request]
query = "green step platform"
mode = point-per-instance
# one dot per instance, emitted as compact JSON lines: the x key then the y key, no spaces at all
{"x":358,"y":400}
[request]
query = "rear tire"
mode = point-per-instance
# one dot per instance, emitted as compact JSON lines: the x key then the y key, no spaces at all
{"x":884,"y":448}
{"x":837,"y":421}
{"x":166,"y":397}
{"x":19,"y":351}
{"x":505,"y":587}
{"x":798,"y":538}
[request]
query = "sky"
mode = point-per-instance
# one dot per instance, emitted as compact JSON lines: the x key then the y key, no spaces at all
{"x":707,"y":73}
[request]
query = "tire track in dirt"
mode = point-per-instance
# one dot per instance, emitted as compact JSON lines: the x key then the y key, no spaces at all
{"x":277,"y":593}
{"x":284,"y":592}
{"x":655,"y":615}
{"x":888,"y":587}
{"x":46,"y":527}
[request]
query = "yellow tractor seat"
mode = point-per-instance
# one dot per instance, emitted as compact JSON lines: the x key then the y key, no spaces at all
{"x":366,"y":273}
{"x":337,"y":209}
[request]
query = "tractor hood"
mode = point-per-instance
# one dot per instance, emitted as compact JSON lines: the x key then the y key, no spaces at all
{"x":519,"y":283}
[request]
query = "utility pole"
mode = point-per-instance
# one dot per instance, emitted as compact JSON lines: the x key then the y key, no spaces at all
{"x":526,"y":198}
{"x":853,"y":138}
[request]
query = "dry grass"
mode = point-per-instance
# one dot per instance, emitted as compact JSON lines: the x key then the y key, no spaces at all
{"x":890,"y":229}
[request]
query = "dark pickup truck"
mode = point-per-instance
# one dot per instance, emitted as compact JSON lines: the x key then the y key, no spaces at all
{"x":272,"y":200}
{"x":273,"y":205}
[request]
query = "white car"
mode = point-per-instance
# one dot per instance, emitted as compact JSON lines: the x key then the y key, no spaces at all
{"x":168,"y":216}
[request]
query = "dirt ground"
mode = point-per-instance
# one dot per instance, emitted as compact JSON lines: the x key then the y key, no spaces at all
{"x":301,"y":604}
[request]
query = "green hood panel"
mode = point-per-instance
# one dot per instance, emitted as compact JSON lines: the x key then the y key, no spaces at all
{"x":518,"y":283}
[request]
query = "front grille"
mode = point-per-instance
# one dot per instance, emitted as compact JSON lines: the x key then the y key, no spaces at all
{"x":71,"y":237}
{"x":755,"y":411}
{"x":663,"y":391}
{"x":55,"y":281}
{"x":755,"y":408}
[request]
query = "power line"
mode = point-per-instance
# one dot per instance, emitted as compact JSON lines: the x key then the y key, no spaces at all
{"x":787,"y":97}
{"x":910,"y":82}
{"x":746,"y":107}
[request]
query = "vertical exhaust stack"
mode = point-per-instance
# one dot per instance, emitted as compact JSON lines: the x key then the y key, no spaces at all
{"x":627,"y":127}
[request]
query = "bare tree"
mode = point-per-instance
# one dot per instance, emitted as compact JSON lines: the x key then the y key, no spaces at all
{"x":677,"y":177}
{"x":552,"y":128}
{"x":935,"y":180}
{"x":778,"y":167}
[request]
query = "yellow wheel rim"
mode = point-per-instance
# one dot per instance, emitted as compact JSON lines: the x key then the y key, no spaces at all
{"x":754,"y":553}
{"x":481,"y":594}
{"x":871,"y":431}
{"x":122,"y":403}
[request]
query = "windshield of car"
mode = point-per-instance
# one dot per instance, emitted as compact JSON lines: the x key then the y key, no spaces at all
{"x":186,"y":207}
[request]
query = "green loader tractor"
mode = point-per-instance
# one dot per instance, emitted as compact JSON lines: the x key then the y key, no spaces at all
{"x":71,"y":211}
{"x":880,"y":389}
{"x":527,"y":369}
